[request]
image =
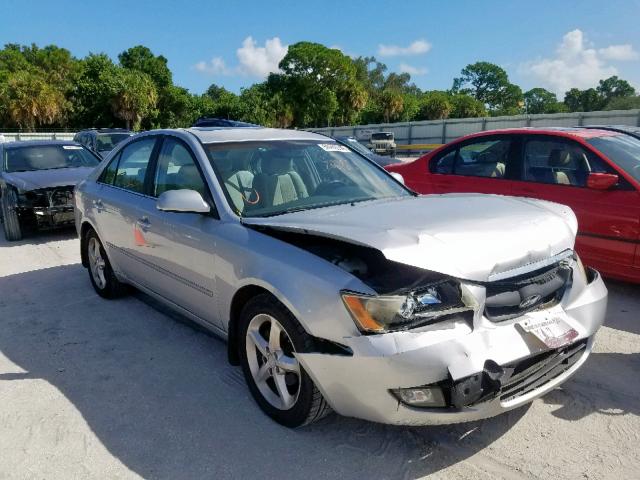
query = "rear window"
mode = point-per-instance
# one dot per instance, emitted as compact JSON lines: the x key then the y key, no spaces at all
{"x":382,"y":136}
{"x":47,"y":157}
{"x":105,"y":142}
{"x":623,"y":150}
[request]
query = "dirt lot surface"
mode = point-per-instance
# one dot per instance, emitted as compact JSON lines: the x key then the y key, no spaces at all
{"x":91,"y":388}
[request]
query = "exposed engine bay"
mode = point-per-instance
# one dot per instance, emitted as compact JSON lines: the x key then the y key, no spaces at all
{"x":47,"y":207}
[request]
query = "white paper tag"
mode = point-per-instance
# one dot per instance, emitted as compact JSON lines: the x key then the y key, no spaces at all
{"x":333,"y":147}
{"x":72,"y":147}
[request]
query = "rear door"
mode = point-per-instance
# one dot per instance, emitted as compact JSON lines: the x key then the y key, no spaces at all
{"x":121,"y":189}
{"x":478,"y":165}
{"x":556,"y":169}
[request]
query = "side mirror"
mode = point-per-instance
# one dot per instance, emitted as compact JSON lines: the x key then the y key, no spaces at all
{"x":185,"y":201}
{"x":602,"y":181}
{"x":398,"y":177}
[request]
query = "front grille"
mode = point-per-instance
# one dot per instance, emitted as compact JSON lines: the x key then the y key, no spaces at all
{"x":533,"y":372}
{"x":60,"y":197}
{"x":516,"y":296}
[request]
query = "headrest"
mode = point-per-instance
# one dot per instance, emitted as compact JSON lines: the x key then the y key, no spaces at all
{"x":276,"y":162}
{"x":559,"y":158}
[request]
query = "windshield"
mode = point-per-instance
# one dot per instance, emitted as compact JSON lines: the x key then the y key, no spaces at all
{"x":106,"y":142}
{"x":45,"y":157}
{"x":358,"y":147}
{"x":623,"y":150}
{"x":382,"y":136}
{"x":269,"y":178}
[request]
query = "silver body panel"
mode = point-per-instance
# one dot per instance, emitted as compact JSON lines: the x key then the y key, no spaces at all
{"x":197,"y":263}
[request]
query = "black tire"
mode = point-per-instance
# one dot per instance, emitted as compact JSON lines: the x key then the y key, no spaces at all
{"x":10,"y":219}
{"x":310,"y":406}
{"x":112,"y":287}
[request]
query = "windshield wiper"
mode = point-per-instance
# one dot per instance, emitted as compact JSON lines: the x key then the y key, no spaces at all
{"x":302,"y":208}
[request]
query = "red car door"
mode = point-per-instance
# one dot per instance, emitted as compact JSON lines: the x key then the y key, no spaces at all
{"x":556,"y":169}
{"x":476,"y":165}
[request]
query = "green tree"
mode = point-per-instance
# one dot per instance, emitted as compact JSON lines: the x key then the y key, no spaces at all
{"x":623,"y":103}
{"x":539,"y":100}
{"x":93,"y":92}
{"x":614,"y":87}
{"x":313,"y":77}
{"x":435,"y":105}
{"x":30,"y":101}
{"x":142,"y":59}
{"x":466,"y":106}
{"x":134,"y":97}
{"x":490,"y":84}
{"x":588,"y":100}
{"x":226,"y":104}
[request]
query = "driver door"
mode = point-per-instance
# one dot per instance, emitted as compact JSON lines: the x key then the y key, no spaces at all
{"x":178,"y":248}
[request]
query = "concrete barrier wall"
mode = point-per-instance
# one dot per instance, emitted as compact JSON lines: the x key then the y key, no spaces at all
{"x":13,"y":136}
{"x":443,"y":131}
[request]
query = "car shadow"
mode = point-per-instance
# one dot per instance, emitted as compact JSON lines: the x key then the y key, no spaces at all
{"x":607,"y":384}
{"x":161,"y":398}
{"x":625,"y":298}
{"x":38,"y":237}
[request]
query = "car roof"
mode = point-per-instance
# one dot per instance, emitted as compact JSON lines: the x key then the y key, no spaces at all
{"x":105,"y":130}
{"x":37,"y":143}
{"x":616,"y":128}
{"x":243,"y":134}
{"x":571,"y":132}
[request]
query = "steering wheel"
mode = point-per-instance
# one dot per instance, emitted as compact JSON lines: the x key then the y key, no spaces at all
{"x":328,"y":188}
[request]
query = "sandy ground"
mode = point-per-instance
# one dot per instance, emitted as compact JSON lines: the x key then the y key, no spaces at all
{"x":119,"y":389}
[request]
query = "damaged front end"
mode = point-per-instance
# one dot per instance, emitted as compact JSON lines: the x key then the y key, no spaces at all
{"x":438,"y":349}
{"x":47,"y":207}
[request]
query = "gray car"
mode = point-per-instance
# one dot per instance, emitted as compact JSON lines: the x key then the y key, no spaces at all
{"x":37,"y":179}
{"x":335,"y":286}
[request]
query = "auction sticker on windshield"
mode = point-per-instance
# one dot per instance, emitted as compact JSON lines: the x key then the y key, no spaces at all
{"x":333,"y":147}
{"x":550,"y":327}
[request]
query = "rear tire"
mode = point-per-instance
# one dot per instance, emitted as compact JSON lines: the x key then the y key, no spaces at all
{"x":101,"y":274}
{"x":10,"y":219}
{"x":278,"y":383}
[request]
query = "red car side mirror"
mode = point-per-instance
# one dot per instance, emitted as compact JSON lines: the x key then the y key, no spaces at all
{"x":602,"y":181}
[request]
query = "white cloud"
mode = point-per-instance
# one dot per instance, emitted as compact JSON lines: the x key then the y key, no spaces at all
{"x":411,"y":70}
{"x":416,"y":48}
{"x":253,"y":60}
{"x":576,"y":64}
{"x":215,"y":66}
{"x":260,"y":61}
{"x":619,"y":52}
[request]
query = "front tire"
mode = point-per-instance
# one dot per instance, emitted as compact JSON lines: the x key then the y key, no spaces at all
{"x":101,"y":274}
{"x":269,"y":338}
{"x":10,"y":219}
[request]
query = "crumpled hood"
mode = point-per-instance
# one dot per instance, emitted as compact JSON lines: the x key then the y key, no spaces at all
{"x":57,"y":177}
{"x":468,"y":236}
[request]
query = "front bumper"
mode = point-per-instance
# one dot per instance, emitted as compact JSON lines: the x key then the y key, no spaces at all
{"x":360,"y":385}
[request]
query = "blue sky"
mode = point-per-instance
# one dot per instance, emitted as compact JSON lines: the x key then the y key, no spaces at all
{"x":554,"y":44}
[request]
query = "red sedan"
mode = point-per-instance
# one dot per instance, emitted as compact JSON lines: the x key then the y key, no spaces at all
{"x":595,"y":172}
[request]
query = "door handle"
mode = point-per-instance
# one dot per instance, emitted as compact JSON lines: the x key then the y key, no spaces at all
{"x":143,"y":224}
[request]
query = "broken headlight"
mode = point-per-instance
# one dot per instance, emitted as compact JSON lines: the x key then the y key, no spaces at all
{"x":386,"y":313}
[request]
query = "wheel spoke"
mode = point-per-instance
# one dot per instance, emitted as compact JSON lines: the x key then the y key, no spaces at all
{"x":288,"y":364}
{"x":263,"y":374}
{"x":281,"y":385}
{"x":260,"y":343}
{"x":274,"y":337}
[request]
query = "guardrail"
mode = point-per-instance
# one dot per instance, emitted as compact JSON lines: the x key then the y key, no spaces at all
{"x":18,"y":136}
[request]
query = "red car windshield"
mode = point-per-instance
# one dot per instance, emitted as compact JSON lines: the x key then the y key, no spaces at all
{"x":623,"y":150}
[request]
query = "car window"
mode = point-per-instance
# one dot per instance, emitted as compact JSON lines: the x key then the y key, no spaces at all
{"x":444,"y":163}
{"x":557,"y":161}
{"x":132,"y":167}
{"x":27,"y":158}
{"x":176,"y":169}
{"x":486,"y":158}
{"x":108,"y":175}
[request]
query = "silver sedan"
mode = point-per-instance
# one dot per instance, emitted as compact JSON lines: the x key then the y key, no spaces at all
{"x":335,"y":286}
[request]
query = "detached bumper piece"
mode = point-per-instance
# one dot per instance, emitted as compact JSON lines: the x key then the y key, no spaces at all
{"x":507,"y":382}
